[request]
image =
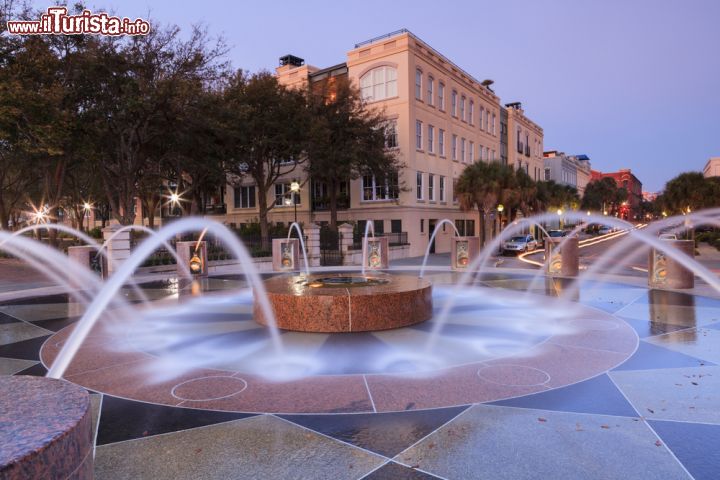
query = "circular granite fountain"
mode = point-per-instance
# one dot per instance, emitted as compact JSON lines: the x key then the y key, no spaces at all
{"x":330,"y":303}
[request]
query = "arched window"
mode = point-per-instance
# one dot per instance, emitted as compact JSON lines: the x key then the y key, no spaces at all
{"x":378,"y":84}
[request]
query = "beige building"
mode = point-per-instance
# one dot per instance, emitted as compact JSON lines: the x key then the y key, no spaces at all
{"x":441,"y":120}
{"x":712,"y":167}
{"x":572,"y":170}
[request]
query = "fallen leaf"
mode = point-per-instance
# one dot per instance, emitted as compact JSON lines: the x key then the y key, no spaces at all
{"x":658,"y":443}
{"x":694,"y":383}
{"x":540,"y":419}
{"x":605,"y":426}
{"x":651,"y":410}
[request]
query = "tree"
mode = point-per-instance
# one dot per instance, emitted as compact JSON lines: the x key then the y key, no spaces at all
{"x":346,"y":141}
{"x":266,"y":126}
{"x":483,"y":186}
{"x":690,"y":190}
{"x":603,"y":195}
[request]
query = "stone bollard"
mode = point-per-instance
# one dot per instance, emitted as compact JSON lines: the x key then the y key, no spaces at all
{"x":118,"y":249}
{"x":463,"y":251}
{"x":346,"y":242}
{"x":562,"y":260}
{"x":47,"y":429}
{"x":664,"y":272}
{"x":85,"y":256}
{"x":193,"y":256}
{"x":286,"y":254}
{"x":313,"y":244}
{"x":375,"y":253}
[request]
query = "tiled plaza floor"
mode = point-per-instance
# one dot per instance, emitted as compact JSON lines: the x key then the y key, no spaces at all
{"x":654,"y":416}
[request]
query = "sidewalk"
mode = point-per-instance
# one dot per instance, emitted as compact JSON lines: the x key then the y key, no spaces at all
{"x":709,"y":256}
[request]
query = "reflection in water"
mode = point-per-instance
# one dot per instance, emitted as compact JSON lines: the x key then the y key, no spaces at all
{"x":674,"y":308}
{"x":555,"y":287}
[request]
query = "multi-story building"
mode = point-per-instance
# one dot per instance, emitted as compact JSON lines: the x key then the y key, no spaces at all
{"x":573,"y":170}
{"x":712,"y":167}
{"x":627,"y":180}
{"x":441,"y":119}
{"x":525,"y":142}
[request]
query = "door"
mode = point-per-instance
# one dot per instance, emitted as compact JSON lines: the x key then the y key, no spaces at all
{"x":431,"y":228}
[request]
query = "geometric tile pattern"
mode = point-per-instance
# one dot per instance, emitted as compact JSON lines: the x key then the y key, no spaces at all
{"x":654,"y":416}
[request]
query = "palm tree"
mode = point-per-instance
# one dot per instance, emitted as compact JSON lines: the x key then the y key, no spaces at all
{"x":483,"y":186}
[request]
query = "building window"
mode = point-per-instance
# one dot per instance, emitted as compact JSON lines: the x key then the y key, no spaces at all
{"x":462,"y":150}
{"x":471,"y":113}
{"x":282,"y":192}
{"x":493,"y":156}
{"x":462,"y":108}
{"x":431,"y":187}
{"x":418,"y":84}
{"x":454,"y":192}
{"x":396,"y":226}
{"x":472,"y":152}
{"x":466,"y":228}
{"x":441,"y":142}
{"x":482,"y":121}
{"x":442,"y":188}
{"x":453,"y":147}
{"x":422,"y":225}
{"x":431,"y":139}
{"x":493,"y":124}
{"x":441,"y":96}
{"x":419,"y":193}
{"x":418,"y":134}
{"x":487,"y":120}
{"x":391,"y":136}
{"x":487,"y":153}
{"x":430,"y":91}
{"x":380,"y":190}
{"x":244,"y":197}
{"x":453,"y":103}
{"x":378,"y":84}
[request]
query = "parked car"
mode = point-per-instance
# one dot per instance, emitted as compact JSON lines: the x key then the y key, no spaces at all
{"x":521,"y":243}
{"x":668,"y":236}
{"x":557,"y":233}
{"x":605,"y":230}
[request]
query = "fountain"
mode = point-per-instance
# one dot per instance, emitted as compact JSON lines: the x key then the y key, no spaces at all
{"x":328,"y":340}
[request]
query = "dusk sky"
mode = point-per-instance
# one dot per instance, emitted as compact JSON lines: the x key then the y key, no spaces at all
{"x":630,"y":83}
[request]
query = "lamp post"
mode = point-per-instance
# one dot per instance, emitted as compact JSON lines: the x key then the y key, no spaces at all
{"x":87,"y":208}
{"x":295,"y":189}
{"x":500,"y":209}
{"x":560,"y":212}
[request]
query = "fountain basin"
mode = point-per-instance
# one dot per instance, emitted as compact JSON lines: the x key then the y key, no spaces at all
{"x":332,"y":303}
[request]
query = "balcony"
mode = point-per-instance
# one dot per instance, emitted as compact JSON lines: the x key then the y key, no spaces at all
{"x":322,"y":204}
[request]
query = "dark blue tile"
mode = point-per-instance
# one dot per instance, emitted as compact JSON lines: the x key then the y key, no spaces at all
{"x":649,"y":356}
{"x":25,"y":350}
{"x":395,"y":471}
{"x":385,"y":433}
{"x":598,"y":395}
{"x":5,"y":318}
{"x":694,"y":444}
{"x":37,"y":370}
{"x":125,"y":419}
{"x":55,"y":324}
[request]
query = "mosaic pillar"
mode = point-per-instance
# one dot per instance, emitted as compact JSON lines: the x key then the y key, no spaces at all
{"x":313,"y":244}
{"x":192,"y":257}
{"x":286,"y":254}
{"x":346,"y":242}
{"x":562,"y":260}
{"x":664,"y":272}
{"x":375,"y":253}
{"x":463,"y":251}
{"x":118,"y":249}
{"x":84,"y":255}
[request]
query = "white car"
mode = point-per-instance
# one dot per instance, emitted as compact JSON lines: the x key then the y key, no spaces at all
{"x":521,"y":243}
{"x":605,"y":230}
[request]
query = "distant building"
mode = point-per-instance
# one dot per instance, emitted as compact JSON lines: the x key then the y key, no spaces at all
{"x":650,"y":196}
{"x":441,"y":119}
{"x":572,"y":170}
{"x":712,"y":167}
{"x":627,"y":180}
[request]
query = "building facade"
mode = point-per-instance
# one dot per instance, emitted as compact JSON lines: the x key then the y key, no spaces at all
{"x":712,"y":167}
{"x":627,"y":180}
{"x":441,"y":119}
{"x":572,"y":170}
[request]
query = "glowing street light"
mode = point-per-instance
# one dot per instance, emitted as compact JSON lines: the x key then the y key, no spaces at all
{"x":174,"y":198}
{"x":87,"y":206}
{"x":295,"y":189}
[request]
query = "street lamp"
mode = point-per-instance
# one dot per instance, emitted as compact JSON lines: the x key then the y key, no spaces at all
{"x":560,"y":212}
{"x":295,"y":189}
{"x":500,"y":209}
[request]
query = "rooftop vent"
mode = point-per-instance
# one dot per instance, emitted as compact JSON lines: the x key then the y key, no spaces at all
{"x":292,"y":60}
{"x":514,"y":105}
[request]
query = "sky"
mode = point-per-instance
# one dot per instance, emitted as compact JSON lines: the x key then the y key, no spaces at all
{"x":631,"y":83}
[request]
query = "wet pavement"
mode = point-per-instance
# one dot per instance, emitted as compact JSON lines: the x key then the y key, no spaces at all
{"x":653,"y":416}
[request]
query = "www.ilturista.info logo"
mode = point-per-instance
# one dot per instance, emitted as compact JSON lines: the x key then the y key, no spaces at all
{"x":57,"y":22}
